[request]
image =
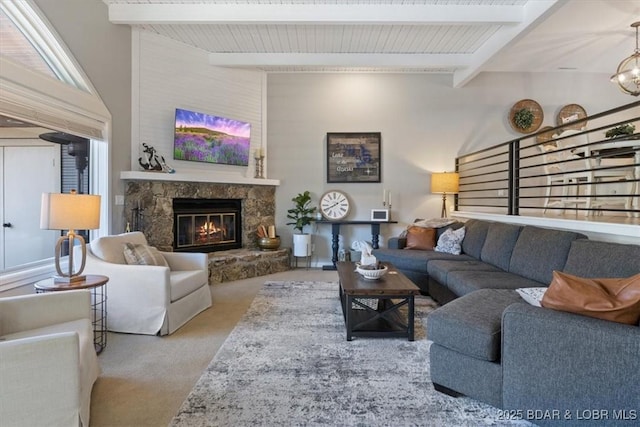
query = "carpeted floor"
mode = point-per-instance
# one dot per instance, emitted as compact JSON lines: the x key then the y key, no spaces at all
{"x":288,"y":363}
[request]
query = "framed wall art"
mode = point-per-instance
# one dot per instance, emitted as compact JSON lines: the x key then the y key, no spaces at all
{"x":353,"y":157}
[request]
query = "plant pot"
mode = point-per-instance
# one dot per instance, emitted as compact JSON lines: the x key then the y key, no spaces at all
{"x":301,"y":245}
{"x":269,"y":243}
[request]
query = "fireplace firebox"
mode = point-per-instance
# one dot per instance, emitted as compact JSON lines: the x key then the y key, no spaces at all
{"x":207,"y":225}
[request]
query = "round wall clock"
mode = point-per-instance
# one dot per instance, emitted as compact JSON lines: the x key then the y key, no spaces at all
{"x":334,"y":205}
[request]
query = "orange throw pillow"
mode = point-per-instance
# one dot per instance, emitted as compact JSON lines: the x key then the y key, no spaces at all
{"x":617,"y":300}
{"x":421,"y":238}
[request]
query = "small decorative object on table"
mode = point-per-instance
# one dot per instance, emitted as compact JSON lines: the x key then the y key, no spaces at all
{"x":372,"y":271}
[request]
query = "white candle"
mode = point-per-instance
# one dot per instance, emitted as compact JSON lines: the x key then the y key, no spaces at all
{"x":384,"y":196}
{"x":389,"y":198}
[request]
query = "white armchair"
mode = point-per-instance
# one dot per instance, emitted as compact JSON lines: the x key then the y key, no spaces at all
{"x":149,"y":299}
{"x":48,"y":363}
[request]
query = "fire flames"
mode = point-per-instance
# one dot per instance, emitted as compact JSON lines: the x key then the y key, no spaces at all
{"x":210,"y":231}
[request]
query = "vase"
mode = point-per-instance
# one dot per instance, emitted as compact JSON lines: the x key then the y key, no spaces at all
{"x":301,"y":245}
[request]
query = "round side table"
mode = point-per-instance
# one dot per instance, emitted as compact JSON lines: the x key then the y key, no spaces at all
{"x":96,"y":284}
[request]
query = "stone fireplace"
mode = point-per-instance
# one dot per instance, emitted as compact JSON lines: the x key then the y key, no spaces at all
{"x":149,"y":204}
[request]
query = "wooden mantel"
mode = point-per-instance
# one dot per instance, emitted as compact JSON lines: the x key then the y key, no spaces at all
{"x":215,"y":178}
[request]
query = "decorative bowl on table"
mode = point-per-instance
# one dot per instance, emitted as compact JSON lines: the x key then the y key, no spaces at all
{"x":269,"y":243}
{"x":371,"y":272}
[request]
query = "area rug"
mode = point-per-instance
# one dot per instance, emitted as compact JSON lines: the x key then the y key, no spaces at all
{"x":288,"y":363}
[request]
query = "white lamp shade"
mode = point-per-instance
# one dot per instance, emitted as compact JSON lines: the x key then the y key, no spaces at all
{"x":70,"y":211}
{"x":445,"y":182}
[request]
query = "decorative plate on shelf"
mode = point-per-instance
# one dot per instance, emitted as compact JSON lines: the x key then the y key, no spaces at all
{"x":570,"y":113}
{"x":526,"y":116}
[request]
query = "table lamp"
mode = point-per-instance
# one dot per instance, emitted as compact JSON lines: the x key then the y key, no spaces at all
{"x":70,"y":212}
{"x":444,"y":182}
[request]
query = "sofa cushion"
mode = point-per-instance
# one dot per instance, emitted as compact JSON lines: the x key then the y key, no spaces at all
{"x":413,"y":260}
{"x":422,"y":238}
{"x":476,"y":232}
{"x":590,"y":258}
{"x":111,"y":248}
{"x":499,"y":243}
{"x":137,"y":254}
{"x":439,"y":269}
{"x":451,"y":241}
{"x":465,"y":282}
{"x":614,"y":299}
{"x":540,"y":251}
{"x":471,"y":324}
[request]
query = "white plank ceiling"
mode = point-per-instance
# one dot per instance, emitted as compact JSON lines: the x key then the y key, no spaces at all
{"x":458,"y":37}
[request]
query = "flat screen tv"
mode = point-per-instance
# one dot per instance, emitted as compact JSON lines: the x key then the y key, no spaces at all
{"x":201,"y":137}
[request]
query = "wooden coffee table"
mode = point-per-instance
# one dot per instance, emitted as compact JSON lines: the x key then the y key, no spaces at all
{"x":371,"y":308}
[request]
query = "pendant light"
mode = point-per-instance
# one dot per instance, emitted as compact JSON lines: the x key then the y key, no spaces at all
{"x":627,"y":77}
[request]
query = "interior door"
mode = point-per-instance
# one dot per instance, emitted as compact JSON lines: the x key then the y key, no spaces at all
{"x":29,"y":171}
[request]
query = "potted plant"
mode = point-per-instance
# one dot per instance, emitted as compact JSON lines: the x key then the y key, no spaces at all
{"x":301,"y":215}
{"x":622,"y":130}
{"x":523,"y":118}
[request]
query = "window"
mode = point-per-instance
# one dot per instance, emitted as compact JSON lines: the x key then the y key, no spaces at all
{"x":28,"y":108}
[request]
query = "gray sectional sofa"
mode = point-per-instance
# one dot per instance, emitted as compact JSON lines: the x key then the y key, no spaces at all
{"x":546,"y":366}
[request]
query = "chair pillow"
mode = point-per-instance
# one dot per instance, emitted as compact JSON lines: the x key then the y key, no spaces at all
{"x":138,"y":254}
{"x":420,"y":238}
{"x":614,"y":299}
{"x":451,"y":241}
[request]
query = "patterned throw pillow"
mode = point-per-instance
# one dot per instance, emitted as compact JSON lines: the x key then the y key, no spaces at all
{"x":532,"y":295}
{"x":138,"y":254}
{"x":451,"y":241}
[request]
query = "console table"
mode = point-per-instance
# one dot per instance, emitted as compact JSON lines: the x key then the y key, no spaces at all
{"x":335,"y":234}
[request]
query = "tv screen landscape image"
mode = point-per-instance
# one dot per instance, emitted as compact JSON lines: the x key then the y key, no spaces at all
{"x":201,"y":137}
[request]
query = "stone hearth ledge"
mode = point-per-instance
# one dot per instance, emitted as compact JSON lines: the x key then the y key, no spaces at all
{"x":237,"y":264}
{"x":196,"y":176}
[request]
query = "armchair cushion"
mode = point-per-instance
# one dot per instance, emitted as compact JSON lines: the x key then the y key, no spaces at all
{"x":138,"y":254}
{"x":184,"y":283}
{"x":111,"y":248}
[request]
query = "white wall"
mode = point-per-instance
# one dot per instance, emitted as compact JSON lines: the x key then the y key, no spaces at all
{"x":169,"y":75}
{"x":103,"y":51}
{"x":424,"y":122}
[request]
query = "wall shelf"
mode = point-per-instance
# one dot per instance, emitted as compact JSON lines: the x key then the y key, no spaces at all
{"x":214,"y":178}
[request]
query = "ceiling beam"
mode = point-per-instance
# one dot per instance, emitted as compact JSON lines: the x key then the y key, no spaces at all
{"x":392,"y":60}
{"x":505,"y":36}
{"x":216,"y":13}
